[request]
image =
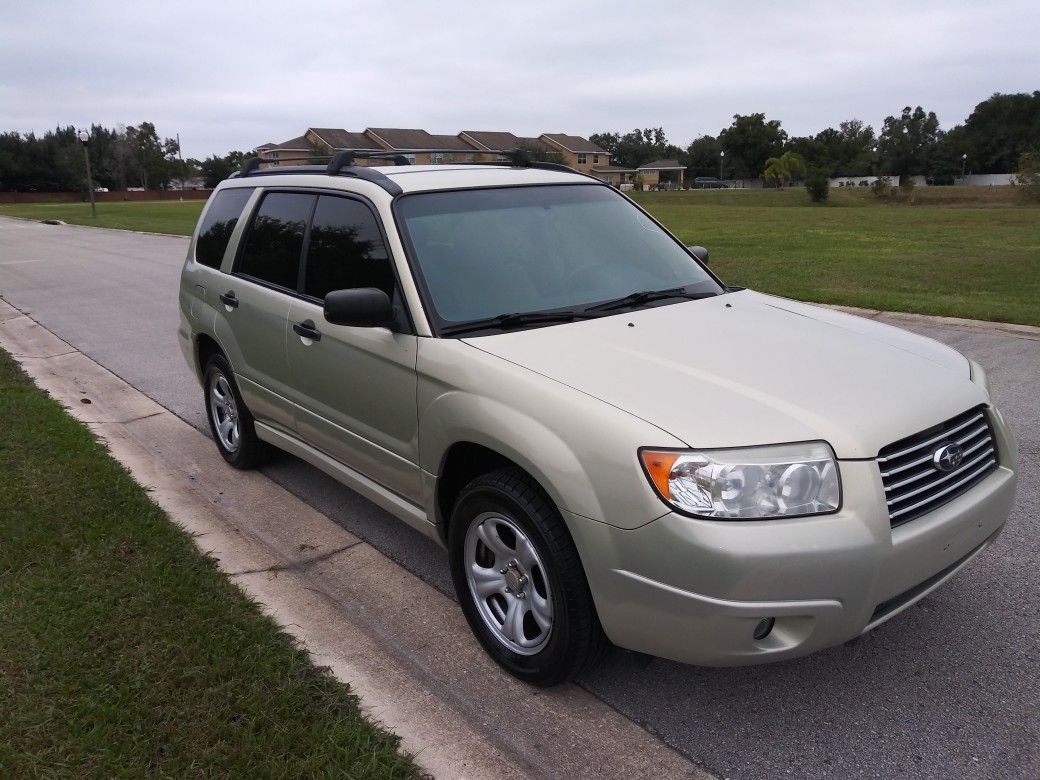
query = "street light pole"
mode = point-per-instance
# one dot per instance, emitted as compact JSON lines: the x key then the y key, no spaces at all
{"x":964,"y":161}
{"x":722,"y":157}
{"x":84,"y":139}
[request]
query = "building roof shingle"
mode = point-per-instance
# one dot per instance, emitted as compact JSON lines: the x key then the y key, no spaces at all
{"x":662,"y":165}
{"x":574,"y":143}
{"x":344,"y":139}
{"x":493,"y":139}
{"x":452,"y":142}
{"x":403,"y":139}
{"x":298,"y":144}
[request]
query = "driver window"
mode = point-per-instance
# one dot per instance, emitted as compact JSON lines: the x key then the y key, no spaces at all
{"x":346,"y":249}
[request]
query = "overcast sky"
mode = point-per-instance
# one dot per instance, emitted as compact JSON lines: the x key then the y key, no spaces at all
{"x":231,"y":75}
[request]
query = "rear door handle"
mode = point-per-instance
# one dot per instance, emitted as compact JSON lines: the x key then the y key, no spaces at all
{"x":229,"y":299}
{"x":307,"y":330}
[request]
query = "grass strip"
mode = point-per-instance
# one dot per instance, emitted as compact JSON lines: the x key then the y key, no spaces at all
{"x":126,"y":653}
{"x":150,"y":216}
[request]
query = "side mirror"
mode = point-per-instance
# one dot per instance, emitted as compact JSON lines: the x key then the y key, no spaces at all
{"x":361,"y":307}
{"x":700,"y":252}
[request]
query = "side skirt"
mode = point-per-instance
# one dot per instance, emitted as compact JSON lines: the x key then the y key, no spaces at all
{"x":355,"y":480}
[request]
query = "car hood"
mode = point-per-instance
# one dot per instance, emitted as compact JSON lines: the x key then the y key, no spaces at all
{"x":745,"y":369}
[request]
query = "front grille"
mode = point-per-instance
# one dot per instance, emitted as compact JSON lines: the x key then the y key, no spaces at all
{"x":913,"y":484}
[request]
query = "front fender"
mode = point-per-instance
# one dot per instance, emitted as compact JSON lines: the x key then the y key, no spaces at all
{"x":457,"y":416}
{"x":582,"y":451}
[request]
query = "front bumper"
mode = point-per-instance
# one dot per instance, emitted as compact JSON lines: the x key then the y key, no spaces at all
{"x":694,"y":590}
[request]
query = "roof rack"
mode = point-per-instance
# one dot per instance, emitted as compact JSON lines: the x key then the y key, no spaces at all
{"x":342,"y":164}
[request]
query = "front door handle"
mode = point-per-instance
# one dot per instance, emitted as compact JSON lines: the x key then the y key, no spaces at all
{"x":307,"y":330}
{"x":229,"y":299}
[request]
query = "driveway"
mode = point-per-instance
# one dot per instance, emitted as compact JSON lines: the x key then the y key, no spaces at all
{"x":948,"y":688}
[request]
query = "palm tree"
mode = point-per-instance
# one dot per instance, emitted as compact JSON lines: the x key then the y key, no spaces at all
{"x":782,"y":169}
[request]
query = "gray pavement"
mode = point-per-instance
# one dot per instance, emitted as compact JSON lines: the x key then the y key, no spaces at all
{"x":948,"y":688}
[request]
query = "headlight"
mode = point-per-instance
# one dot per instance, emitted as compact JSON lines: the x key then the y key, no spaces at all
{"x":783,"y":480}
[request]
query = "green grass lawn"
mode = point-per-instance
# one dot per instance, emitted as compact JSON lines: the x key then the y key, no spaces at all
{"x":125,"y":653}
{"x":152,"y":216}
{"x":959,"y":251}
{"x":954,"y":259}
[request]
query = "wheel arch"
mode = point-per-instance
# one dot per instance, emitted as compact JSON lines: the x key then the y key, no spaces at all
{"x":467,"y":452}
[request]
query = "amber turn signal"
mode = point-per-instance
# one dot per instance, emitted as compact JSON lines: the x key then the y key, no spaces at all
{"x":658,"y":466}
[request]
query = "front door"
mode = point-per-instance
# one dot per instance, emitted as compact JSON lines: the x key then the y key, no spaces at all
{"x":355,"y":387}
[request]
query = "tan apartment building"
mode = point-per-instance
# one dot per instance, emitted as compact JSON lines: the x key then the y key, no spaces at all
{"x":660,"y":172}
{"x":615,"y":175}
{"x":578,"y":153}
{"x":422,"y":148}
{"x":272,"y":154}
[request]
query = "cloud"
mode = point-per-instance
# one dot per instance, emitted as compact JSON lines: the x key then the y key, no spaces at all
{"x":234,"y":74}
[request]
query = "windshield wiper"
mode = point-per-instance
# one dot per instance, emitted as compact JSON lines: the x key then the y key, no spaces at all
{"x":516,"y":320}
{"x":645,"y":296}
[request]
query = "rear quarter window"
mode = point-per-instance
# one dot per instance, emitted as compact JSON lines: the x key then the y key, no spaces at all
{"x":218,"y":224}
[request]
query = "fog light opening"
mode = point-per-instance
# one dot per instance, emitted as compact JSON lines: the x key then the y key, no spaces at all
{"x":764,"y":627}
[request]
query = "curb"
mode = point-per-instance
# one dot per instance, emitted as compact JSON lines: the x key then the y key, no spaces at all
{"x":402,"y":646}
{"x":1005,"y":328}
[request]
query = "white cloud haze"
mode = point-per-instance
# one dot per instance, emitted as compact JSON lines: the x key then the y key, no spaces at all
{"x":231,"y":75}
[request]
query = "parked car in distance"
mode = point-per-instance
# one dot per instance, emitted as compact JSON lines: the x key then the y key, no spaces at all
{"x":612,"y":445}
{"x":708,"y":183}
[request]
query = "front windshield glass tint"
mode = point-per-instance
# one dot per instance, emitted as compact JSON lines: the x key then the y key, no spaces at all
{"x":488,"y":252}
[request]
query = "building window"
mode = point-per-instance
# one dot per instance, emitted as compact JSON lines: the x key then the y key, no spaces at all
{"x":274,"y":155}
{"x":436,"y":157}
{"x":582,"y":158}
{"x":595,"y":159}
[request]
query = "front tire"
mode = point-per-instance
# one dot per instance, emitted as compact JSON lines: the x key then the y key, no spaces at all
{"x":229,"y":420}
{"x":519,"y":580}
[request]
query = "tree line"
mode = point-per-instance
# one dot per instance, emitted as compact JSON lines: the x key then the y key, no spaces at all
{"x":124,"y":157}
{"x":995,"y":136}
{"x":120,"y":158}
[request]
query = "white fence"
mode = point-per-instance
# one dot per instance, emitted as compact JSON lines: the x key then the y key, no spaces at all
{"x":986,"y":179}
{"x":972,"y":180}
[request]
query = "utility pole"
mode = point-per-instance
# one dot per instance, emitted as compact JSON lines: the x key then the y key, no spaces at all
{"x":184,"y":172}
{"x":84,"y":138}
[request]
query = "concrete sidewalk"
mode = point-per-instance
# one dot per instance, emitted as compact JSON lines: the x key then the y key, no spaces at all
{"x":401,"y":645}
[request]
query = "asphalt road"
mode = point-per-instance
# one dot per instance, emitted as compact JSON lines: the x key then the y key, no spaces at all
{"x":950,"y":688}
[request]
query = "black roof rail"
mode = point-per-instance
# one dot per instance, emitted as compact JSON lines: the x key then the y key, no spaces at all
{"x":247,"y":168}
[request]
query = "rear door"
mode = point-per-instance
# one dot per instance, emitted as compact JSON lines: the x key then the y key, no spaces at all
{"x":255,"y":306}
{"x":355,"y":387}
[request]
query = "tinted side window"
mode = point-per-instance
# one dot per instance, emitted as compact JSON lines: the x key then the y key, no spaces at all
{"x":272,"y":248}
{"x":220,"y":221}
{"x":346,"y":249}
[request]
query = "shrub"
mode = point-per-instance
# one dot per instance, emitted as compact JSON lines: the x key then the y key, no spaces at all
{"x":882,"y":187}
{"x":817,"y":185}
{"x":906,"y":188}
{"x":1027,"y":178}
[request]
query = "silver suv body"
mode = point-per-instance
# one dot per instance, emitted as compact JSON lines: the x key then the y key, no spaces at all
{"x":523,"y":365}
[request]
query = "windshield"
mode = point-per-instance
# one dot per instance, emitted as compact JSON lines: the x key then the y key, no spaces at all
{"x":514,"y":250}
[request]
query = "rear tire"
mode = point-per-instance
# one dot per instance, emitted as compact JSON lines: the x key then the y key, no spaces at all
{"x":520,"y":581}
{"x":229,"y":420}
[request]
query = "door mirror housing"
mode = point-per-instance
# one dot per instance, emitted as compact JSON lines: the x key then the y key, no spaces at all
{"x":360,"y":307}
{"x":700,"y":252}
